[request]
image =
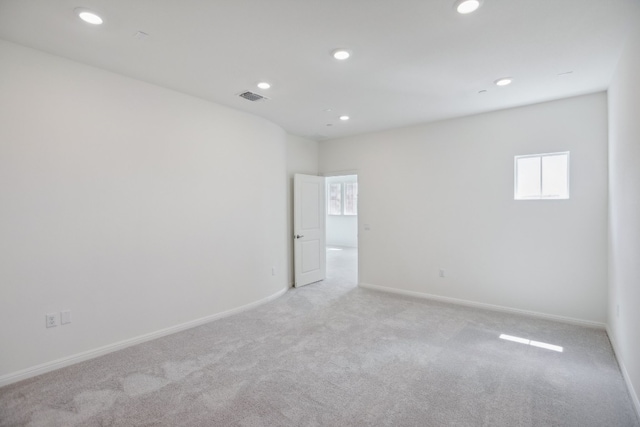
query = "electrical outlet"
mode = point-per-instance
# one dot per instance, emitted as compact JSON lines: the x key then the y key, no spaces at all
{"x":65,"y":317}
{"x":273,"y":271}
{"x":441,"y":272}
{"x":51,"y":320}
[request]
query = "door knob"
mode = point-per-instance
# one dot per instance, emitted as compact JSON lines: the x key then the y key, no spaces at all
{"x":298,"y":236}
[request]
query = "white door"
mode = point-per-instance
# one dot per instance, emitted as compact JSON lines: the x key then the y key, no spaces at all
{"x":310,"y":256}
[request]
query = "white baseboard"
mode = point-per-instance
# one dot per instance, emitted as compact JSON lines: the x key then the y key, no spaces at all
{"x":492,"y":307}
{"x":100,"y":351}
{"x":625,"y":373}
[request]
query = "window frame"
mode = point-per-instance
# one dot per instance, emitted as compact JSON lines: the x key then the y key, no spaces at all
{"x":541,"y":157}
{"x":339,"y":200}
{"x":342,"y":198}
{"x":353,"y":184}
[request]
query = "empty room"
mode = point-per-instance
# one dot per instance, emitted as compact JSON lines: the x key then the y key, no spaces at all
{"x":172,"y":174}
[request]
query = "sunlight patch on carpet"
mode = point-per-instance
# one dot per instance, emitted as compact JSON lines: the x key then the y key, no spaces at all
{"x":532,"y":343}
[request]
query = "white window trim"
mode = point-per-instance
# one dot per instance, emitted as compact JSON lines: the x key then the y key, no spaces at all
{"x":541,"y":197}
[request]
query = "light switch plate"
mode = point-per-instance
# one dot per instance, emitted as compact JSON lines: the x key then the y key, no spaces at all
{"x":65,"y":317}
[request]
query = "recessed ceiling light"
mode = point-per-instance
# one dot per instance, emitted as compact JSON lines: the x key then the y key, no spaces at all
{"x":344,"y":118}
{"x":503,"y":81}
{"x":341,"y":54}
{"x":88,"y":16}
{"x":264,"y":85}
{"x":467,"y":6}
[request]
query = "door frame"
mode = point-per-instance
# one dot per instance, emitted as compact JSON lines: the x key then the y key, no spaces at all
{"x":345,"y":173}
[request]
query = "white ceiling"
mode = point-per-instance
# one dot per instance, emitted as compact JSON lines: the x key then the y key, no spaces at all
{"x":413,"y":61}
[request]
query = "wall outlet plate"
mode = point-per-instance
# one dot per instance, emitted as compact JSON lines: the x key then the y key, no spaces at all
{"x":51,"y":320}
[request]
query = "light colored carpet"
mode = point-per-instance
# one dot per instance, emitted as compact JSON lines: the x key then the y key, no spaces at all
{"x":331,"y":354}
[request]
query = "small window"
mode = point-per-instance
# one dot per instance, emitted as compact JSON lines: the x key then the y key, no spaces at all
{"x":335,"y":199}
{"x":342,"y":198}
{"x":351,"y":198}
{"x":542,"y":176}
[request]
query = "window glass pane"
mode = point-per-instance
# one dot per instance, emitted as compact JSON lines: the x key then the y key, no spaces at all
{"x":335,"y":199}
{"x":528,"y":178}
{"x":555,"y":177}
{"x":351,"y":198}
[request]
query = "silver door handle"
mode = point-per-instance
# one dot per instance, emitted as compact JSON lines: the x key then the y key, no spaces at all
{"x":298,"y":236}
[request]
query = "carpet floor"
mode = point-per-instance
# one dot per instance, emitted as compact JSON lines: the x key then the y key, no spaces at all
{"x":332,"y":354}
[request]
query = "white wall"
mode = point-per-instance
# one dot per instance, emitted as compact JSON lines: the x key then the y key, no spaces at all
{"x":440,"y":195}
{"x":624,"y":213}
{"x":302,"y":157}
{"x":135,"y":207}
{"x":342,"y":230}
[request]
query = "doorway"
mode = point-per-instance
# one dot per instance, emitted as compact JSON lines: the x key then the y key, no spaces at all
{"x":342,"y":229}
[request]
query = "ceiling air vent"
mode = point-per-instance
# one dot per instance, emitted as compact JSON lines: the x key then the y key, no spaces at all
{"x":252,"y":96}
